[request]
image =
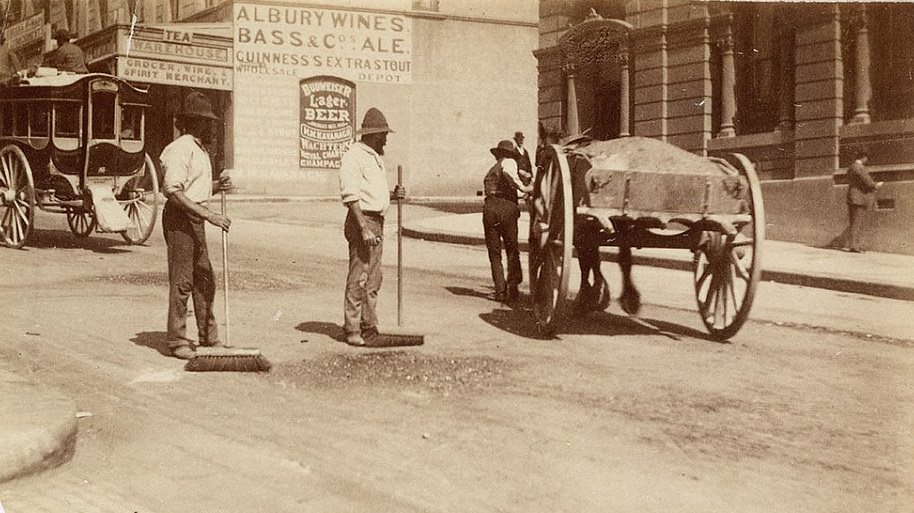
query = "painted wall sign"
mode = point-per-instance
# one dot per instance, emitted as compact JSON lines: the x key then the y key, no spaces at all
{"x":327,"y":120}
{"x":27,"y":31}
{"x":174,"y":73}
{"x":305,"y":41}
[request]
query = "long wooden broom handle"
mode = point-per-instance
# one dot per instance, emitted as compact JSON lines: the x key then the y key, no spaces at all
{"x":225,"y":278}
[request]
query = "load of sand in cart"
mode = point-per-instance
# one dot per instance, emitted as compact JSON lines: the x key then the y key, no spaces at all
{"x":644,"y":177}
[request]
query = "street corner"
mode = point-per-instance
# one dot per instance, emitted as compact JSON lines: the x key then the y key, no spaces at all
{"x":37,"y":428}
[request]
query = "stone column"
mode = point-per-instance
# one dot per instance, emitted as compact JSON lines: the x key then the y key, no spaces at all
{"x":727,"y":87}
{"x":572,"y":125}
{"x":788,"y":84}
{"x":862,"y":62}
{"x":624,"y":94}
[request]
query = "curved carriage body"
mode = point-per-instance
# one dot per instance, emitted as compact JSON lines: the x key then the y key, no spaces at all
{"x":65,"y":138}
{"x":637,"y":192}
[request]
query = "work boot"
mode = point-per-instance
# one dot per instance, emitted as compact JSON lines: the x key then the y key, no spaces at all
{"x":184,"y":352}
{"x":355,"y":339}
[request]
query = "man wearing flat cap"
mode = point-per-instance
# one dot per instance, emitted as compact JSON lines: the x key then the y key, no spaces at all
{"x":500,"y":213}
{"x":188,"y":187}
{"x":365,"y":193}
{"x":68,"y":57}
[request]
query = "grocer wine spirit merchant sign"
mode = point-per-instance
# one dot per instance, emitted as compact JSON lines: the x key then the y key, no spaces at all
{"x":326,"y":121}
{"x":306,"y":41}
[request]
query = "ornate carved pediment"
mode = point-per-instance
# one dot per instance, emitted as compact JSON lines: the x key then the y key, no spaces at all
{"x":594,"y":40}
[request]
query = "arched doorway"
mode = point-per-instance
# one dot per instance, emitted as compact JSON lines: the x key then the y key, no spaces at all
{"x":596,"y":63}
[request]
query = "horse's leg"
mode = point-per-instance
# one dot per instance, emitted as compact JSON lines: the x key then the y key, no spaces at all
{"x":588,"y":261}
{"x":630,"y":298}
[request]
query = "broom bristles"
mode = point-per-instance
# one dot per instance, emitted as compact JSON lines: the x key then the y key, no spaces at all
{"x":223,"y":359}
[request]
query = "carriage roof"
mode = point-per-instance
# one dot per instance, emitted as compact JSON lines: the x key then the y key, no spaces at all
{"x":68,"y":87}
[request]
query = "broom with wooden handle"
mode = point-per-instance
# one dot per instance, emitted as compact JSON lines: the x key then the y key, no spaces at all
{"x":227,"y":358}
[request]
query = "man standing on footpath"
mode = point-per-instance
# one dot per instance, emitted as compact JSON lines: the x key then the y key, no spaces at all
{"x":366,"y":195}
{"x":502,"y":185}
{"x":188,"y":187}
{"x":523,"y":156}
{"x":861,"y":194}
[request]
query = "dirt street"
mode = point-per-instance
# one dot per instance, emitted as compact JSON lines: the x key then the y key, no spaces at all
{"x":809,"y":409}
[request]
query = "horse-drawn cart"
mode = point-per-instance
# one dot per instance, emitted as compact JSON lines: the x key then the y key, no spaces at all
{"x":637,"y":192}
{"x":74,"y":144}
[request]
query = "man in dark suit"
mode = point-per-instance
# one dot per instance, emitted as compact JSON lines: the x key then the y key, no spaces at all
{"x":523,"y":156}
{"x":861,"y":194}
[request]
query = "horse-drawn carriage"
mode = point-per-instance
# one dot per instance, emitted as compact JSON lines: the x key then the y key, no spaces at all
{"x":74,"y":144}
{"x":637,"y":192}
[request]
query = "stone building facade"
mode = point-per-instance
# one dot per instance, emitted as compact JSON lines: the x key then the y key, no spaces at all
{"x":797,"y":87}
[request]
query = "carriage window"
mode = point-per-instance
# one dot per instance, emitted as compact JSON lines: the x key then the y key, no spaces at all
{"x":6,"y":119}
{"x":66,"y":120}
{"x":21,"y":123}
{"x":131,"y":122}
{"x":103,"y":114}
{"x":38,"y":120}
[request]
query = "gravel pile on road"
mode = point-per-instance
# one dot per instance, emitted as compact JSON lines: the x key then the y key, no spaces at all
{"x":395,"y":369}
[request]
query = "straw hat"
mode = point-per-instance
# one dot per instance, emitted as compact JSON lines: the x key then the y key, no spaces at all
{"x":374,"y":123}
{"x":504,"y":149}
{"x":197,"y":105}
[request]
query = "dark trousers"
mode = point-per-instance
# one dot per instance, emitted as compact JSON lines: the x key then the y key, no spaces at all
{"x":190,"y":273}
{"x":364,"y":278}
{"x":499,"y":220}
{"x":855,"y":214}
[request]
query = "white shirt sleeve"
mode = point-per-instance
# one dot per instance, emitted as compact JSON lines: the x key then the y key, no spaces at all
{"x":175,"y":163}
{"x":509,"y":167}
{"x":350,"y":177}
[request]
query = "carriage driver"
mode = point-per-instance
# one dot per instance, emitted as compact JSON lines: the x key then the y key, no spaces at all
{"x":188,"y":185}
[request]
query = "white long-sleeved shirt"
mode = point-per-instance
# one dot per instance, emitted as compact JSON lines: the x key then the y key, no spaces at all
{"x":363,"y":178}
{"x":188,"y":169}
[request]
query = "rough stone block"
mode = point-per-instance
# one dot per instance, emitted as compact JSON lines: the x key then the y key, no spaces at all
{"x":688,"y":73}
{"x":648,"y":94}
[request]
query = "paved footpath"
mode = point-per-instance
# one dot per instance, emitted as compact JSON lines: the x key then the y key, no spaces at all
{"x":876,"y":274}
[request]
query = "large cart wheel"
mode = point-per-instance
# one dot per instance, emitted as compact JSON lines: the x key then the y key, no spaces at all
{"x":140,"y":199}
{"x":81,"y":221}
{"x":550,"y":241}
{"x":728,"y":267}
{"x":17,"y":197}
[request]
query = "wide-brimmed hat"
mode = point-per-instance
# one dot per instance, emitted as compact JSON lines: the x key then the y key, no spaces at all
{"x":197,"y":105}
{"x":374,"y":123}
{"x":504,"y":149}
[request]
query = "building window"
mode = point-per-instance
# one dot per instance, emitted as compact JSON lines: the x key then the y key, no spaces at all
{"x":760,"y":33}
{"x":891,"y":60}
{"x":425,"y":5}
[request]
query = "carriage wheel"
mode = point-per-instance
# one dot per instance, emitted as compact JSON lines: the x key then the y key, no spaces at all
{"x":17,"y":197}
{"x":728,"y":268}
{"x":550,"y":241}
{"x":141,"y":203}
{"x":81,"y":221}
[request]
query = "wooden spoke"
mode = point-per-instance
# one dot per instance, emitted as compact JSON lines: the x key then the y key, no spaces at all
{"x":550,"y":241}
{"x":141,"y":203}
{"x":18,"y":197}
{"x":733,"y":264}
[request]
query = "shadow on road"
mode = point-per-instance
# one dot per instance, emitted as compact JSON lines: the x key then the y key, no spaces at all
{"x":519,"y":320}
{"x":51,"y":239}
{"x":334,"y":331}
{"x":464,"y":291}
{"x":153,"y":339}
